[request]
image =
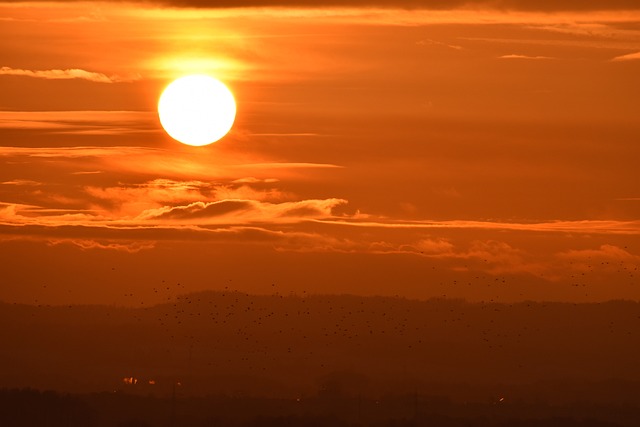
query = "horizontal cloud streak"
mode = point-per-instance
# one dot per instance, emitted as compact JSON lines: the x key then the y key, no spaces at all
{"x":514,"y":56}
{"x":628,"y":57}
{"x":74,"y":152}
{"x":609,"y":252}
{"x":559,"y":5}
{"x":585,"y":226}
{"x":526,"y":5}
{"x":312,"y":226}
{"x":68,"y":74}
{"x":85,"y":244}
{"x":81,"y":122}
{"x":236,"y":211}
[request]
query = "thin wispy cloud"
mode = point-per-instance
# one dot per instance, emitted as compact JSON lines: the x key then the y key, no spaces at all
{"x":253,"y":180}
{"x":628,"y":57}
{"x":584,"y":226}
{"x":86,"y":172}
{"x":235,"y":175}
{"x":81,"y":122}
{"x":575,"y":29}
{"x":516,"y":56}
{"x":67,"y":74}
{"x":429,"y":42}
{"x":560,"y":5}
{"x":608,"y":258}
{"x":73,"y":152}
{"x":610,"y":252}
{"x":285,"y":134}
{"x":21,"y":182}
{"x":490,"y":256}
{"x":292,"y":165}
{"x":85,"y":244}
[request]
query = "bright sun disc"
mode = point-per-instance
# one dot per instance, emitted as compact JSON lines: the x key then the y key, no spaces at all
{"x":197,"y":110}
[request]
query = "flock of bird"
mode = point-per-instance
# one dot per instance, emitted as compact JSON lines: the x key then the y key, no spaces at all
{"x":208,"y":334}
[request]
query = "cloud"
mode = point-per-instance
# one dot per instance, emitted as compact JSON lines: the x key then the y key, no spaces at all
{"x":293,"y":165}
{"x":583,"y":227}
{"x":528,"y":5}
{"x":166,"y":202}
{"x":491,"y":256}
{"x":609,"y":252}
{"x":418,"y":4}
{"x":312,"y":226}
{"x":577,"y":25}
{"x":627,"y":57}
{"x":21,"y":182}
{"x":499,"y":257}
{"x":426,"y":247}
{"x":86,"y":244}
{"x":81,"y":122}
{"x":608,"y":258}
{"x":86,"y":172}
{"x":434,"y":246}
{"x":210,"y":175}
{"x":72,"y":73}
{"x":154,"y":160}
{"x":515,"y":56}
{"x":74,"y":152}
{"x":253,"y":180}
{"x":244,"y":211}
{"x":427,"y":42}
{"x":132,"y":199}
{"x":199,"y":210}
{"x":201,"y":201}
{"x":284,"y":134}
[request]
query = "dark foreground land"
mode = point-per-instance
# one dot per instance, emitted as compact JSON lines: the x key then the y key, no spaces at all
{"x":31,"y":408}
{"x":235,"y":359}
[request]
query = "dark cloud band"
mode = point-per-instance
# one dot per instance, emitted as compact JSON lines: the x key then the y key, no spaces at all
{"x":526,"y":5}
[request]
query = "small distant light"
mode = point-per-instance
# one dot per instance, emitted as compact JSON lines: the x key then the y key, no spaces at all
{"x":130,"y":380}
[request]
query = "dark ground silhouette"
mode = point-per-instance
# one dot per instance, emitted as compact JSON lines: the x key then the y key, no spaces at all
{"x":324,"y":360}
{"x":31,"y":408}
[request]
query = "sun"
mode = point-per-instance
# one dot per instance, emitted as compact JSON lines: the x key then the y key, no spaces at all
{"x":197,"y":109}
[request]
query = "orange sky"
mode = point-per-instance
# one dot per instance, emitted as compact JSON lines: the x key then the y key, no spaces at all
{"x":489,"y":152}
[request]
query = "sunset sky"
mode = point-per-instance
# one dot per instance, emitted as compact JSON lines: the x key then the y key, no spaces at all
{"x":477,"y":150}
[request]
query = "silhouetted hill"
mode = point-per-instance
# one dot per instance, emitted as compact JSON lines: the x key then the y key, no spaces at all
{"x":288,"y":346}
{"x":33,"y":408}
